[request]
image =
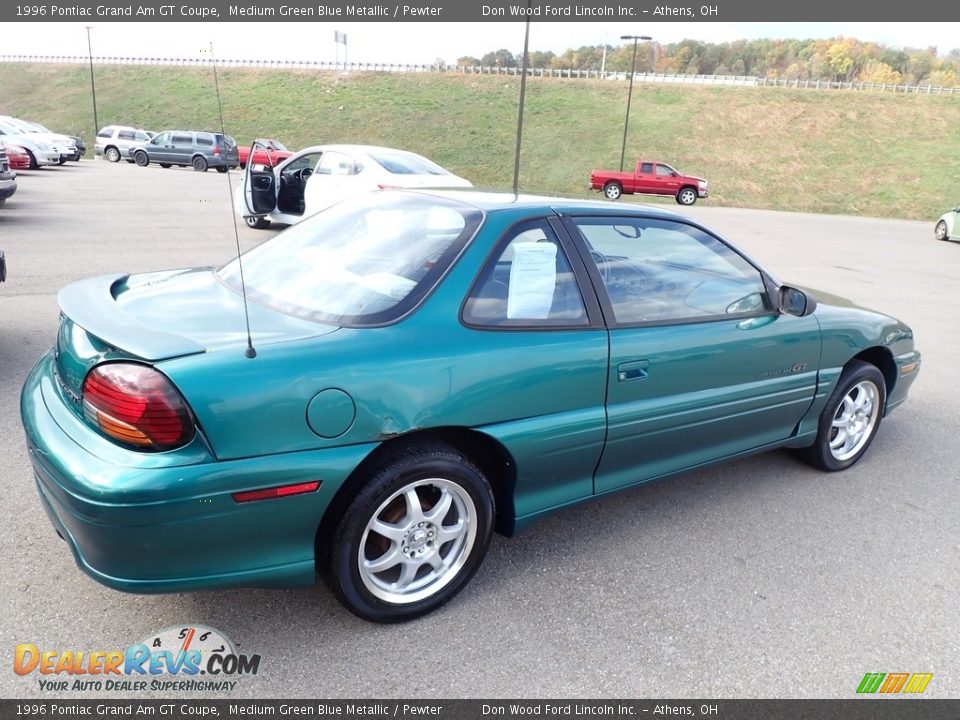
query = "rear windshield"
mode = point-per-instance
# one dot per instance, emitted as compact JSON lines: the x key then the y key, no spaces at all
{"x":404,"y":164}
{"x":366,"y":261}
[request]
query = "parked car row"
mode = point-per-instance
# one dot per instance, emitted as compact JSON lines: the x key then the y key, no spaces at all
{"x":41,"y":146}
{"x":8,"y":186}
{"x":8,"y":178}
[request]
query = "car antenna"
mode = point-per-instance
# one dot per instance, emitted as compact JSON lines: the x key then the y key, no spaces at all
{"x":523,"y":95}
{"x":250,"y":351}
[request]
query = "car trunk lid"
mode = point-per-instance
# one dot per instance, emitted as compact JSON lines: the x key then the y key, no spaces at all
{"x":159,"y":316}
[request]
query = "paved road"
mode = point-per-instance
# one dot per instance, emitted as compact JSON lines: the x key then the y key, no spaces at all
{"x":756,"y":578}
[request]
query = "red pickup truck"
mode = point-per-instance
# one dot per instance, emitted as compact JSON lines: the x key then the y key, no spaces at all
{"x":651,"y":178}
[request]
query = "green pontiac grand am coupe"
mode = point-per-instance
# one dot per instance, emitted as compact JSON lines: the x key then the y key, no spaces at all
{"x":428,"y":367}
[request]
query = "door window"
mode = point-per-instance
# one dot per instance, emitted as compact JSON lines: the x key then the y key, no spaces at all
{"x":162,"y":139}
{"x":181,"y":140}
{"x":658,"y":271}
{"x":529,"y":283}
{"x":646,"y":168}
{"x":664,"y":171}
{"x":336,"y":163}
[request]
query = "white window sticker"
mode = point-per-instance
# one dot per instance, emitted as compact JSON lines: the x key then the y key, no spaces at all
{"x":533,"y":279}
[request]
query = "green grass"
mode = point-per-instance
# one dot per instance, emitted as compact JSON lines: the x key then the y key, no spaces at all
{"x":847,"y":152}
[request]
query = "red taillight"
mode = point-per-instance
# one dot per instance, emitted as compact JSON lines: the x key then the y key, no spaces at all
{"x":216,"y":150}
{"x":381,"y":186}
{"x":277,"y":492}
{"x":137,"y":406}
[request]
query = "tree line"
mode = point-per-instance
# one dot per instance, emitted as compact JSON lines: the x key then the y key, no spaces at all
{"x":837,"y":59}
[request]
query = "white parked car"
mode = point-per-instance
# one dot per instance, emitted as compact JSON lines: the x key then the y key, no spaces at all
{"x":114,"y":141}
{"x":41,"y":149}
{"x":947,"y":227}
{"x":317,"y":177}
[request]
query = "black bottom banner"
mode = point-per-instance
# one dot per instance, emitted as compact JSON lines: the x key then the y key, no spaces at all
{"x":875,"y":708}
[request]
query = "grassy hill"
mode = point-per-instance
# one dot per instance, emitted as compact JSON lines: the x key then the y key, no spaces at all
{"x":848,"y":152}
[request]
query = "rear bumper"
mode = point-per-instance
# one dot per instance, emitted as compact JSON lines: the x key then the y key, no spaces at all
{"x":137,"y":525}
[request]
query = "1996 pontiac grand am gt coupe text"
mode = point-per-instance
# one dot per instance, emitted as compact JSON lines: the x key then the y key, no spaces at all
{"x":429,"y":366}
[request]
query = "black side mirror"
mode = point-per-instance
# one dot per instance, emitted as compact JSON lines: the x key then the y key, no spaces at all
{"x":796,"y":302}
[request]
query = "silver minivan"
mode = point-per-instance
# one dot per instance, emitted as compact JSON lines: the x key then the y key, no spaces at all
{"x":114,"y":141}
{"x":188,"y":148}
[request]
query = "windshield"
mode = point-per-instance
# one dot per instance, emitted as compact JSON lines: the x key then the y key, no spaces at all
{"x":366,"y":261}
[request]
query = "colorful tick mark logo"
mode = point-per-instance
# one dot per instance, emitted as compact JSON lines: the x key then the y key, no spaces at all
{"x":894,"y":682}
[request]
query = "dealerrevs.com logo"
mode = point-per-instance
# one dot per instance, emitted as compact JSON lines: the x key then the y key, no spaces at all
{"x":894,"y":683}
{"x":193,"y":658}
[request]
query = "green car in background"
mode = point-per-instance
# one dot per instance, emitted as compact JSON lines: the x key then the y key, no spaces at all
{"x":427,"y":367}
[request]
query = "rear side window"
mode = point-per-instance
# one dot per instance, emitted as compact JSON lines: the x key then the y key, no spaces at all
{"x":365,"y":261}
{"x":204,"y":140}
{"x":528,"y":284}
{"x":106,"y":132}
{"x":408,"y":164}
{"x":126,"y":135}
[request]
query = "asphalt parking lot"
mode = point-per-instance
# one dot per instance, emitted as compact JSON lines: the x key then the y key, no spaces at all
{"x":759,"y":578}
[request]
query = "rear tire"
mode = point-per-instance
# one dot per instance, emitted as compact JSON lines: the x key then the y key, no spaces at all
{"x":112,"y":154}
{"x":141,"y":158}
{"x":222,"y":169}
{"x":164,"y":165}
{"x":850,"y":419}
{"x":200,"y":164}
{"x":413,"y":536}
{"x":612,"y":190}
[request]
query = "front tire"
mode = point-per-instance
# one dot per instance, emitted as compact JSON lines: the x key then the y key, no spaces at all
{"x":33,"y":161}
{"x":414,"y":535}
{"x":686,"y":196}
{"x":141,"y":158}
{"x":940,"y":231}
{"x":851,"y":418}
{"x":612,"y":191}
{"x":200,"y":164}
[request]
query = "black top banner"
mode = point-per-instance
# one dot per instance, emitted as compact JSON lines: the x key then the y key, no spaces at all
{"x":476,"y":11}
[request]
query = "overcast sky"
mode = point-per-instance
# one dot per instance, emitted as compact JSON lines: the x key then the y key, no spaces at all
{"x":411,"y":42}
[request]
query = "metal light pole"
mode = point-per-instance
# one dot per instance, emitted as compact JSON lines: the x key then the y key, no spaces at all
{"x":523,"y":94}
{"x":93,"y":87}
{"x":633,"y":71}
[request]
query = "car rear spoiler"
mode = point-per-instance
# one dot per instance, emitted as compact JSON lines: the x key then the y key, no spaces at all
{"x":92,"y":305}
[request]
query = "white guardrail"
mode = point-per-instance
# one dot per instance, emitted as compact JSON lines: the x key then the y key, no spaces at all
{"x":567,"y":73}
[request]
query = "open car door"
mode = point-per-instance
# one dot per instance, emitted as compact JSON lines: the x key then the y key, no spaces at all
{"x":259,"y":185}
